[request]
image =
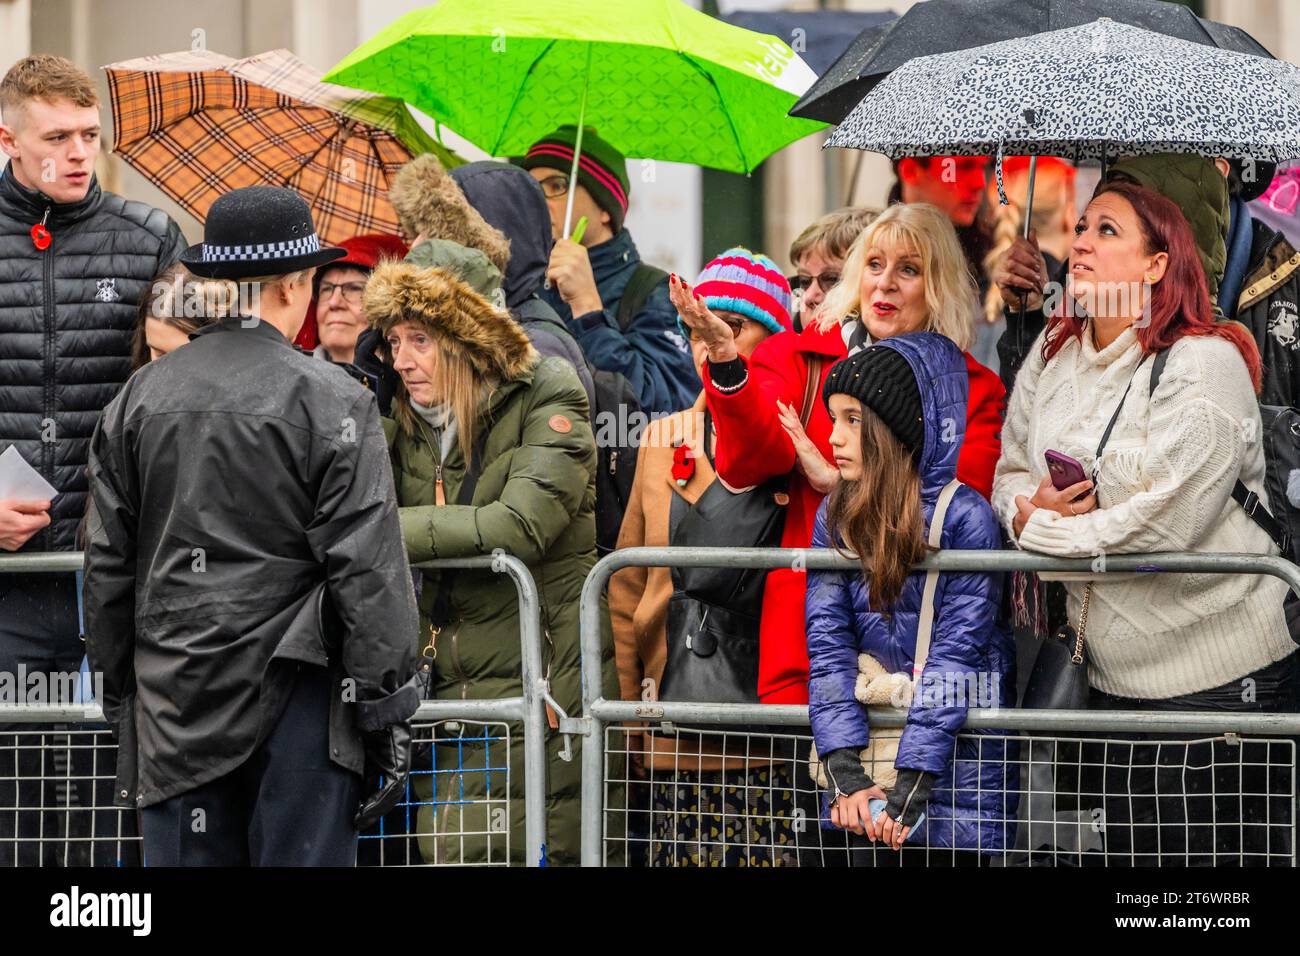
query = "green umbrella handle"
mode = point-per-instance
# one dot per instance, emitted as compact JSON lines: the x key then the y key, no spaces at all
{"x":577,"y":147}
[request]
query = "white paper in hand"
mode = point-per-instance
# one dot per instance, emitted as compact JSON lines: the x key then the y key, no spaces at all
{"x":19,"y":481}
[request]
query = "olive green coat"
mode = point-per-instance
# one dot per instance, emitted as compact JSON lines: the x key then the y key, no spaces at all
{"x":535,"y":499}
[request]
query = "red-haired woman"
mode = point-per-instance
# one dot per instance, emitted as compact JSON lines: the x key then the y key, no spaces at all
{"x":1162,"y":482}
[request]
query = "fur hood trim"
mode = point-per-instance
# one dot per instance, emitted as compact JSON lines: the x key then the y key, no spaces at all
{"x":457,"y":317}
{"x":428,"y":201}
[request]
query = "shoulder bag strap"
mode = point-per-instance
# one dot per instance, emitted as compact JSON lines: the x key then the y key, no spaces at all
{"x":440,"y":613}
{"x":925,"y":626}
{"x":1110,"y":425}
{"x":810,"y":389}
{"x":643,"y":281}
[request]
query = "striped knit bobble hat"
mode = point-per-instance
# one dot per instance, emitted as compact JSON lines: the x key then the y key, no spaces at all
{"x":882,"y":380}
{"x":749,"y":284}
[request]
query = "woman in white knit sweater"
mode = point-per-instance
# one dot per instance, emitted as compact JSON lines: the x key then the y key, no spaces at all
{"x":1164,"y":478}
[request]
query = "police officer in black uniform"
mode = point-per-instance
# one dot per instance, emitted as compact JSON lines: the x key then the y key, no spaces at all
{"x":248,"y":599}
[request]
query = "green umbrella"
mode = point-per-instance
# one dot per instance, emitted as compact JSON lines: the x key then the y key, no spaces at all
{"x":657,"y":78}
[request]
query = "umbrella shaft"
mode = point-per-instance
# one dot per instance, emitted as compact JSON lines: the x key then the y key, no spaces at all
{"x":1029,"y":199}
{"x":577,"y":150}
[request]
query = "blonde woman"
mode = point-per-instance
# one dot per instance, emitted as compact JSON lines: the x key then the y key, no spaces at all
{"x":905,"y":273}
{"x":476,"y":399}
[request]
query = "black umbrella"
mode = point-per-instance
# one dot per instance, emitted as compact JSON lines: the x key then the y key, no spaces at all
{"x":820,"y":37}
{"x":945,"y":26}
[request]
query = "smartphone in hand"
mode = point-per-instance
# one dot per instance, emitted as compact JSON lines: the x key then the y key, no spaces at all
{"x":1065,"y":471}
{"x":876,"y":805}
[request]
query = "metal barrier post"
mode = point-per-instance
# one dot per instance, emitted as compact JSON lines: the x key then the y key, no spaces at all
{"x":593,"y":747}
{"x":599,"y":712}
{"x":527,"y":708}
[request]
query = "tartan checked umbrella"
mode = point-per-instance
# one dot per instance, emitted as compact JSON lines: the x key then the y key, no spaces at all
{"x":199,"y":124}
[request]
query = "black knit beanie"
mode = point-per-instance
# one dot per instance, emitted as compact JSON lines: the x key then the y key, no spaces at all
{"x":882,"y":380}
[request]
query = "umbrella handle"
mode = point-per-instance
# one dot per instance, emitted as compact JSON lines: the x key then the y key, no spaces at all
{"x":1029,"y":202}
{"x":1029,"y":215}
{"x":577,"y":148}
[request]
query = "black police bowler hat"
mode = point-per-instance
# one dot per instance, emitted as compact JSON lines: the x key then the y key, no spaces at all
{"x":258,"y":231}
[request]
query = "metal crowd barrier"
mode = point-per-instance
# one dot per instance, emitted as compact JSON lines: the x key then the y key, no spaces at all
{"x":61,"y":776}
{"x":1242,"y":747}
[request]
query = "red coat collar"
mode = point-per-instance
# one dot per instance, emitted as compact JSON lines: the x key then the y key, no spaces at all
{"x":830,"y":342}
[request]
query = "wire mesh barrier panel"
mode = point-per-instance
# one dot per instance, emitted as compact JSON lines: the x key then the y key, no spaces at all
{"x":1151,"y":800}
{"x":457,"y":808}
{"x":56,"y":798}
{"x":58,"y":764}
{"x":721,"y":798}
{"x":695,"y":782}
{"x":738,"y":798}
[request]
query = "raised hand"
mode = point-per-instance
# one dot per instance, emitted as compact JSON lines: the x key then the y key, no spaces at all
{"x":821,"y":474}
{"x":717,"y":335}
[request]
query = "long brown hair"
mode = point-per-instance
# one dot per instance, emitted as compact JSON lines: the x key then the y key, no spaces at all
{"x":218,"y":298}
{"x":878,"y":517}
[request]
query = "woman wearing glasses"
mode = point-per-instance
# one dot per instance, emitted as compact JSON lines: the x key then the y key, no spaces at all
{"x":335,"y":317}
{"x":818,"y":256}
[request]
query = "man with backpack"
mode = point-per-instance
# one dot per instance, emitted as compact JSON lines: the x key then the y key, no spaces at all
{"x":616,"y":306}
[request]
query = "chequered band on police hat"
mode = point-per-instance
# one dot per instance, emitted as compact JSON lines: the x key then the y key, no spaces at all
{"x":268,"y":250}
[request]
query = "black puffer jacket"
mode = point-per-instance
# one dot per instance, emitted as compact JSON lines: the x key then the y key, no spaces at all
{"x":67,"y":315}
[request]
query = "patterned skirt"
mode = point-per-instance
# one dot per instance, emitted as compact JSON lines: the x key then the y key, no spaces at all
{"x":744,"y":817}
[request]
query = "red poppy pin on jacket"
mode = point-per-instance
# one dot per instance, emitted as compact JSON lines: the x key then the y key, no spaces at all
{"x":683,"y":464}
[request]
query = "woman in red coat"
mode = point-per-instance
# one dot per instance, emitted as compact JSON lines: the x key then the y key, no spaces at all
{"x":906,"y":273}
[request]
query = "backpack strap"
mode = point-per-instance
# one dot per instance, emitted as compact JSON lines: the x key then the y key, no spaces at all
{"x":1255,"y":509}
{"x":1248,"y":500}
{"x":638,"y":289}
{"x":925,"y":625}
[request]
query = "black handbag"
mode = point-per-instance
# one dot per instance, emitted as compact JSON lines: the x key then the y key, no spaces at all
{"x":724,"y":519}
{"x":1059,"y":679}
{"x":714,"y":613}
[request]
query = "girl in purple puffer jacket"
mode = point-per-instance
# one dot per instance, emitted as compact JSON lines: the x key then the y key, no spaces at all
{"x":898,"y":423}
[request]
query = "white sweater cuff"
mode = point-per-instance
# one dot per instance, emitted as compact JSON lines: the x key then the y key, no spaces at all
{"x":1049,"y":533}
